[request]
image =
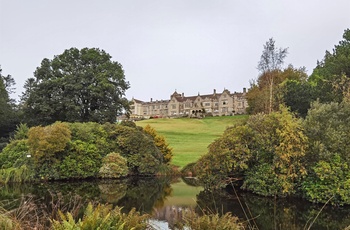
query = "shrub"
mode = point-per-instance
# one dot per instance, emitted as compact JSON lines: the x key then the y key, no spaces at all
{"x":142,"y":155}
{"x":328,"y":159}
{"x":113,"y":166}
{"x":45,"y":142}
{"x":273,"y":143}
{"x":82,"y":161}
{"x":329,"y":181}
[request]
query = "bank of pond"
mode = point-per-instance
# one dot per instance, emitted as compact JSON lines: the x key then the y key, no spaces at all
{"x":166,"y":201}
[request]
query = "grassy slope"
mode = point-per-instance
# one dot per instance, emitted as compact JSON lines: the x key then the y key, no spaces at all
{"x":190,"y":138}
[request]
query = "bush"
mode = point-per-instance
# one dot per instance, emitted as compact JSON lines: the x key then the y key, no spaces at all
{"x":82,"y":161}
{"x":329,"y":181}
{"x":142,"y":155}
{"x":113,"y":166}
{"x":45,"y":142}
{"x":272,"y":143}
{"x":328,"y":159}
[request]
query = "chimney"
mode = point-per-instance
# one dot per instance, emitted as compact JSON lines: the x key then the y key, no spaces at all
{"x":214,"y":92}
{"x":182,"y":95}
{"x":151,"y":99}
{"x":244,"y":90}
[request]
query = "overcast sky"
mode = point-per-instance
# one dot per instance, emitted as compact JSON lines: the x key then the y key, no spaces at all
{"x":192,"y":46}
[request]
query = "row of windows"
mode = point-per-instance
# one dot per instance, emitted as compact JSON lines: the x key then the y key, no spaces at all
{"x":187,"y":105}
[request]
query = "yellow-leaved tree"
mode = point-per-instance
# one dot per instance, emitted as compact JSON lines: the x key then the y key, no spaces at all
{"x":160,"y":142}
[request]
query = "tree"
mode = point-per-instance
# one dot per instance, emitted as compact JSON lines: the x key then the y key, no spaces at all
{"x":77,"y":85}
{"x":259,"y":93}
{"x":297,"y":96}
{"x":331,"y":77}
{"x":270,"y":62}
{"x":160,"y":142}
{"x":295,"y":91}
{"x":327,"y":127}
{"x":8,"y":113}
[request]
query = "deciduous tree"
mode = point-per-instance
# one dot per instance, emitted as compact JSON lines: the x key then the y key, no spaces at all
{"x":77,"y":85}
{"x":271,"y":61}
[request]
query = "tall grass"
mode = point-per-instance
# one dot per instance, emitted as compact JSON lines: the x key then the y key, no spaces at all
{"x":16,"y":175}
{"x":190,"y":138}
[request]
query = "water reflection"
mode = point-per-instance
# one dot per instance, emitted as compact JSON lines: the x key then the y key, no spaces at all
{"x":165,"y":198}
{"x":270,"y":213}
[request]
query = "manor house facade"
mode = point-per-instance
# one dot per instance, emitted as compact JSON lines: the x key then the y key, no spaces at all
{"x":217,"y":104}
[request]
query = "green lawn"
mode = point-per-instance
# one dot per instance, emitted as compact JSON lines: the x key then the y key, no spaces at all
{"x":190,"y":138}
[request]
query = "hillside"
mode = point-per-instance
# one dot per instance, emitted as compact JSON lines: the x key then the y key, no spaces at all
{"x":190,"y":138}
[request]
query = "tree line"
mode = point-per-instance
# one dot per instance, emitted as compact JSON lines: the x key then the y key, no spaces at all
{"x":329,"y":81}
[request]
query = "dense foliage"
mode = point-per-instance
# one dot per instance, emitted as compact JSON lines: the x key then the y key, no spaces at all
{"x":266,"y":152}
{"x":8,"y":112}
{"x":160,"y":142}
{"x":331,"y":77}
{"x":76,"y":86}
{"x":83,"y":150}
{"x":329,"y":82}
{"x":279,"y":155}
{"x":288,"y":89}
{"x":328,"y":158}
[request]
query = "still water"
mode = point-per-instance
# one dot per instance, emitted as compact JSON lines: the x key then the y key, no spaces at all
{"x":165,"y":198}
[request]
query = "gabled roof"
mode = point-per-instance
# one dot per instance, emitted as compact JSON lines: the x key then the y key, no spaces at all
{"x":138,"y":101}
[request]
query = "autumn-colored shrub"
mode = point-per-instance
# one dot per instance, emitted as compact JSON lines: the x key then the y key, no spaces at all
{"x":45,"y":142}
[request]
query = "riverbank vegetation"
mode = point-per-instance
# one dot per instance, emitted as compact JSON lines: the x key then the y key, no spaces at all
{"x":65,"y":151}
{"x":290,"y":145}
{"x":102,"y":216}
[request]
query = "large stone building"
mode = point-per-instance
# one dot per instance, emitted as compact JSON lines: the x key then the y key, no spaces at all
{"x":217,"y":104}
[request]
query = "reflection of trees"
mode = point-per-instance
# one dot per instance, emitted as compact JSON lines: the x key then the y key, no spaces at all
{"x":270,"y":213}
{"x":191,"y":181}
{"x":145,"y":193}
{"x":112,"y":191}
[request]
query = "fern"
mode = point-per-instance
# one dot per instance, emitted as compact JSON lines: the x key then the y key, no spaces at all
{"x":102,"y":217}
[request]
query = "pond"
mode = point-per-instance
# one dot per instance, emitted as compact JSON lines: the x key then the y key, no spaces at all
{"x":165,"y":198}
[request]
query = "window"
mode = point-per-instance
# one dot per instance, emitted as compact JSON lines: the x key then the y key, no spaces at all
{"x":173,"y":106}
{"x":224,"y":102}
{"x":207,"y":104}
